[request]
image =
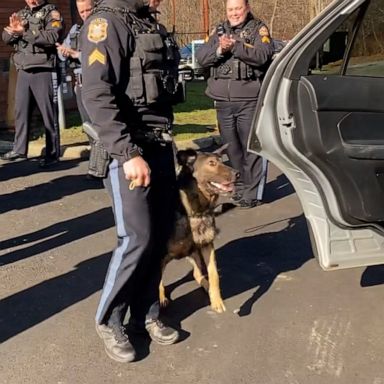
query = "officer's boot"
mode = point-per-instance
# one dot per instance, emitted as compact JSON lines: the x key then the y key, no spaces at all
{"x":116,"y":343}
{"x":157,"y":331}
{"x":161,"y":333}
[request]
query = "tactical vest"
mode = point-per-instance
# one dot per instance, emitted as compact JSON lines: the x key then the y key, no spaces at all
{"x":154,"y":67}
{"x":28,"y":56}
{"x":154,"y":62}
{"x":233,"y":68}
{"x":74,"y":44}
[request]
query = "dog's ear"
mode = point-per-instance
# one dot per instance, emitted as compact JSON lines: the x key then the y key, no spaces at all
{"x":186,"y":157}
{"x":221,"y":150}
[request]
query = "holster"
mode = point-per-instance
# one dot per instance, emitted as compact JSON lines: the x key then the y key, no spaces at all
{"x":99,"y":160}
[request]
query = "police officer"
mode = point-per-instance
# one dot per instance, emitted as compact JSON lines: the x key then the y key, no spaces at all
{"x":238,"y":54}
{"x":129,"y":80}
{"x":69,"y":51}
{"x":33,"y":32}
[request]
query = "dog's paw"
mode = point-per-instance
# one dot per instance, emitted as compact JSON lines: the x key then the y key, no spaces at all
{"x":164,"y":302}
{"x":218,"y":305}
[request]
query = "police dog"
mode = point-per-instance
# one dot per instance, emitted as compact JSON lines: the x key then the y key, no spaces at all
{"x":202,"y":177}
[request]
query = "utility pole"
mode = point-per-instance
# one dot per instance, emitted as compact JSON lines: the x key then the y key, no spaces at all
{"x":205,"y":7}
{"x":173,"y":16}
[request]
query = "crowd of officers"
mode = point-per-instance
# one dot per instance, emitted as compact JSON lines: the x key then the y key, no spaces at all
{"x":126,"y":69}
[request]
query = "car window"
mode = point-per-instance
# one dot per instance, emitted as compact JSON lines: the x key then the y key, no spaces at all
{"x":366,"y":56}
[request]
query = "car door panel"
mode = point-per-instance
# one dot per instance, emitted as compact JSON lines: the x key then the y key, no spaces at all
{"x":326,"y":133}
{"x":331,"y":131}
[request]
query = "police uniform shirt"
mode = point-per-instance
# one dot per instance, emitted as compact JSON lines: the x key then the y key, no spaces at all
{"x":252,"y":47}
{"x":106,"y":43}
{"x":43,"y":29}
{"x":75,"y":30}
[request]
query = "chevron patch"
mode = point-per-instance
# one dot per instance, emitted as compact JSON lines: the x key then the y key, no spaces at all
{"x":95,"y":56}
{"x":265,"y":39}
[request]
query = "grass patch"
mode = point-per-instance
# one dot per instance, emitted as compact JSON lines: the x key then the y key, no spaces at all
{"x":194,"y":119}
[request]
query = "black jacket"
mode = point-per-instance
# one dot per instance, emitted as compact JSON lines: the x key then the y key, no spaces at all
{"x":107,"y":43}
{"x":35,"y":48}
{"x":255,"y":60}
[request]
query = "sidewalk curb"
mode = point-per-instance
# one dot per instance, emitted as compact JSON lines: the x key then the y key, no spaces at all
{"x":74,"y":151}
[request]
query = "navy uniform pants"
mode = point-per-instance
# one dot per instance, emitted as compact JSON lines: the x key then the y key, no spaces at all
{"x":80,"y":106}
{"x":37,"y":87}
{"x":235,"y":122}
{"x":144,"y":220}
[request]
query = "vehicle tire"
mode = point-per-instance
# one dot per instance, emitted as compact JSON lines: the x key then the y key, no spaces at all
{"x":189,"y":74}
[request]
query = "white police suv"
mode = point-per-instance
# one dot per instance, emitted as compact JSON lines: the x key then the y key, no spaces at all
{"x":320,"y":119}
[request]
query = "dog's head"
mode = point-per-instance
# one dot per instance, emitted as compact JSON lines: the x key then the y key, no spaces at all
{"x":208,"y":169}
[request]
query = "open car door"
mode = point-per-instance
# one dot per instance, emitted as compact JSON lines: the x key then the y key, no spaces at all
{"x":320,"y":119}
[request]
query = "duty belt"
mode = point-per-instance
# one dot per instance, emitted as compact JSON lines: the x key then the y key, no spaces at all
{"x":79,"y":79}
{"x":155,"y":135}
{"x":234,"y":71}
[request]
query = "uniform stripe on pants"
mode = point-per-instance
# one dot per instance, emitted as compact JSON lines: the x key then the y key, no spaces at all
{"x":263,"y":180}
{"x":56,"y":127}
{"x":117,"y":256}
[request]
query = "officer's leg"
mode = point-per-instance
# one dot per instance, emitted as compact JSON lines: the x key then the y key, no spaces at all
{"x":80,"y":106}
{"x":228,"y":131}
{"x":132,"y":218}
{"x":162,"y":199}
{"x":255,"y":167}
{"x":23,"y":110}
{"x":85,"y":118}
{"x":44,"y":88}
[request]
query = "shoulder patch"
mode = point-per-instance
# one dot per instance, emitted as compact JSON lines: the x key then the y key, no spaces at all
{"x":95,"y":56}
{"x":97,"y":30}
{"x":55,"y":15}
{"x":56,"y":24}
{"x":263,"y":31}
{"x":265,"y":39}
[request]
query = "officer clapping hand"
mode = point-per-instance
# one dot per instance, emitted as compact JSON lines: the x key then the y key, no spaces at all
{"x":137,"y":171}
{"x":226,"y":43}
{"x":16,"y":25}
{"x":67,"y":52}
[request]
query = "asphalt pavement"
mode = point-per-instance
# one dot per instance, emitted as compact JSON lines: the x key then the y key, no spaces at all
{"x":287,"y":321}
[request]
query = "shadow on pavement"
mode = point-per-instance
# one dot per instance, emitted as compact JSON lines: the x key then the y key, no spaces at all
{"x":56,"y":235}
{"x":44,"y":193}
{"x":27,"y":308}
{"x":12,"y":170}
{"x":277,"y":189}
{"x":248,"y":263}
{"x":373,"y":275}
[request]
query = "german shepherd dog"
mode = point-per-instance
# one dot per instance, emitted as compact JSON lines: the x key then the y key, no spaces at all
{"x":202,"y":177}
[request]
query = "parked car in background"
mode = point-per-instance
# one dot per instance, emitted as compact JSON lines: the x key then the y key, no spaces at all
{"x":189,"y":68}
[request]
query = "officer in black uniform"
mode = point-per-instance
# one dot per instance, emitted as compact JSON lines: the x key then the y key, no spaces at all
{"x":69,"y":51}
{"x":33,"y":32}
{"x":129,"y":83}
{"x":238,"y":54}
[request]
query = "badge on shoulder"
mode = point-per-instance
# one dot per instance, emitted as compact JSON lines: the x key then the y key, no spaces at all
{"x":97,"y":30}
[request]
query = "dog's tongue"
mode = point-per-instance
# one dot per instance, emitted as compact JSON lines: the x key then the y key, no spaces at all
{"x":226,"y":187}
